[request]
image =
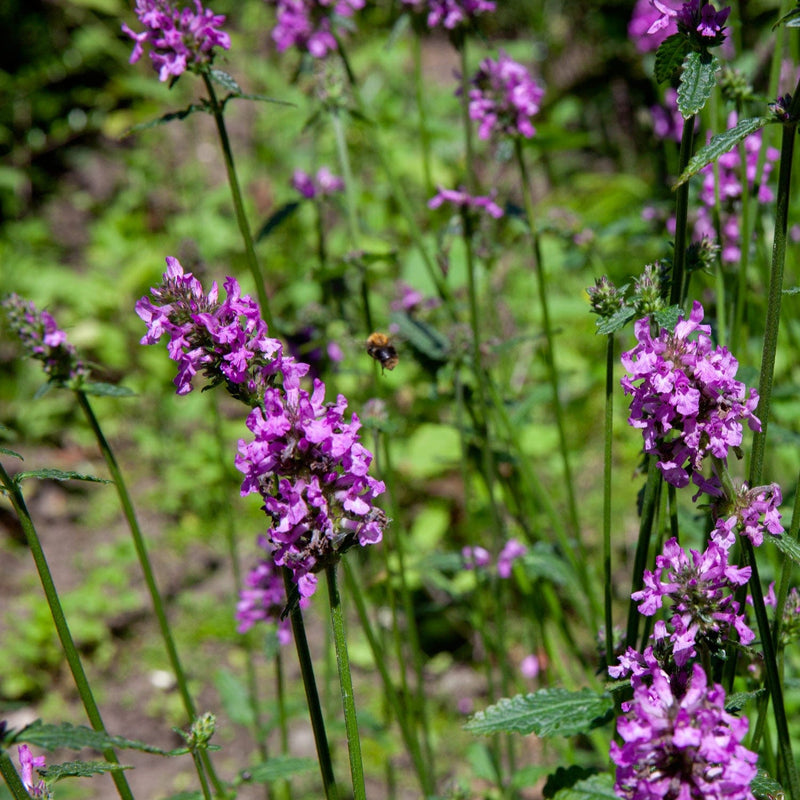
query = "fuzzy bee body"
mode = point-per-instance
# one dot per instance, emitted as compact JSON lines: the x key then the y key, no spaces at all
{"x":380,"y":347}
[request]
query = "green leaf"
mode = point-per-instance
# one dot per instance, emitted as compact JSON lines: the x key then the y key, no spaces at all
{"x":427,"y":341}
{"x":169,"y":117}
{"x":276,"y":769}
{"x":79,"y":769}
{"x":697,"y":82}
{"x":51,"y":737}
{"x":765,"y":787}
{"x":100,"y":389}
{"x":790,"y":20}
{"x":6,"y":452}
{"x":720,"y":144}
{"x":670,"y":55}
{"x":57,"y":475}
{"x":546,"y":713}
{"x":235,"y":698}
{"x":788,"y":546}
{"x":737,"y":701}
{"x":668,"y":317}
{"x":616,"y":321}
{"x":279,"y":216}
{"x":227,"y":82}
{"x":598,"y":787}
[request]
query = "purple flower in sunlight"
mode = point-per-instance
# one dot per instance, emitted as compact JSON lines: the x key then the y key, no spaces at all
{"x":179,"y":38}
{"x":685,"y":398}
{"x":42,"y":340}
{"x":475,"y":557}
{"x":225,"y":340}
{"x":512,"y":550}
{"x":505,"y":98}
{"x":700,"y":591}
{"x":263,"y":597}
{"x":27,"y":763}
{"x":678,"y":742}
{"x":450,"y":14}
{"x":460,"y":198}
{"x":325,"y":183}
{"x":692,"y":18}
{"x":752,"y":512}
{"x":721,"y":202}
{"x":642,"y":19}
{"x":306,"y":24}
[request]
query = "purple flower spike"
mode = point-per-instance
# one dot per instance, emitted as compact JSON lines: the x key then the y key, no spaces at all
{"x":679,"y":742}
{"x":307,"y":24}
{"x":27,"y":763}
{"x":450,"y":14}
{"x":685,"y":398}
{"x":701,"y":594}
{"x":459,"y":198}
{"x":505,"y":98}
{"x":324,"y":184}
{"x":753,"y":512}
{"x":42,"y":340}
{"x":179,"y":38}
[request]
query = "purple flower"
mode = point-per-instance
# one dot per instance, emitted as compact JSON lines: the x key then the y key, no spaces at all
{"x":325,"y":183}
{"x":701,"y":592}
{"x":450,"y":14}
{"x":459,"y":198}
{"x":685,"y":398}
{"x":505,"y":98}
{"x":752,"y":511}
{"x":227,"y":341}
{"x":512,"y":550}
{"x":723,"y":201}
{"x":27,"y":763}
{"x":179,"y":38}
{"x":692,"y":19}
{"x":642,"y":19}
{"x":307,"y":24}
{"x":42,"y":340}
{"x":678,"y":742}
{"x":475,"y":557}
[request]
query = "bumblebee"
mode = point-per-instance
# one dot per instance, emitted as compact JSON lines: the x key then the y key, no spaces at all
{"x":380,"y":347}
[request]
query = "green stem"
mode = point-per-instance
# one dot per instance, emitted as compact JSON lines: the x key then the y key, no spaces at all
{"x":198,"y":765}
{"x":550,"y":359}
{"x":346,"y":685}
{"x":607,"y":467}
{"x":12,"y":779}
{"x":312,"y":694}
{"x":67,"y":643}
{"x":681,"y":217}
{"x":424,"y":134}
{"x":238,"y":203}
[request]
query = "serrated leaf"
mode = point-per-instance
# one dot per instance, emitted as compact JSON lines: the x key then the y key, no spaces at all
{"x":738,"y":700}
{"x":790,"y":20}
{"x":697,"y":82}
{"x":547,"y":712}
{"x":670,"y":55}
{"x":765,"y":787}
{"x":276,"y":769}
{"x":100,"y":389}
{"x":425,"y":339}
{"x":227,"y":82}
{"x":76,"y":737}
{"x":79,"y":769}
{"x":598,"y":787}
{"x":6,"y":452}
{"x":58,"y":475}
{"x":616,"y":321}
{"x":275,"y":219}
{"x":235,"y":698}
{"x":721,"y":144}
{"x":169,"y":117}
{"x":788,"y":546}
{"x":668,"y":317}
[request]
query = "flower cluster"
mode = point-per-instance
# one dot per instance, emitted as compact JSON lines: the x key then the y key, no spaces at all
{"x":325,"y":183}
{"x":723,"y":200}
{"x":505,"y":98}
{"x":27,"y":763}
{"x":692,"y":18}
{"x":179,"y":38}
{"x":305,"y":460}
{"x":307,"y":463}
{"x":678,"y":741}
{"x":701,"y":593}
{"x":751,"y":512}
{"x":478,"y":557}
{"x":450,"y":14}
{"x":686,"y":399}
{"x":306,"y":24}
{"x":226,"y":340}
{"x":460,"y":198}
{"x":42,"y":339}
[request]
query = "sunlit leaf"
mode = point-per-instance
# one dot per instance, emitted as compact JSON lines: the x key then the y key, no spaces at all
{"x":697,"y":82}
{"x":764,"y":787}
{"x":598,"y":787}
{"x":58,"y":475}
